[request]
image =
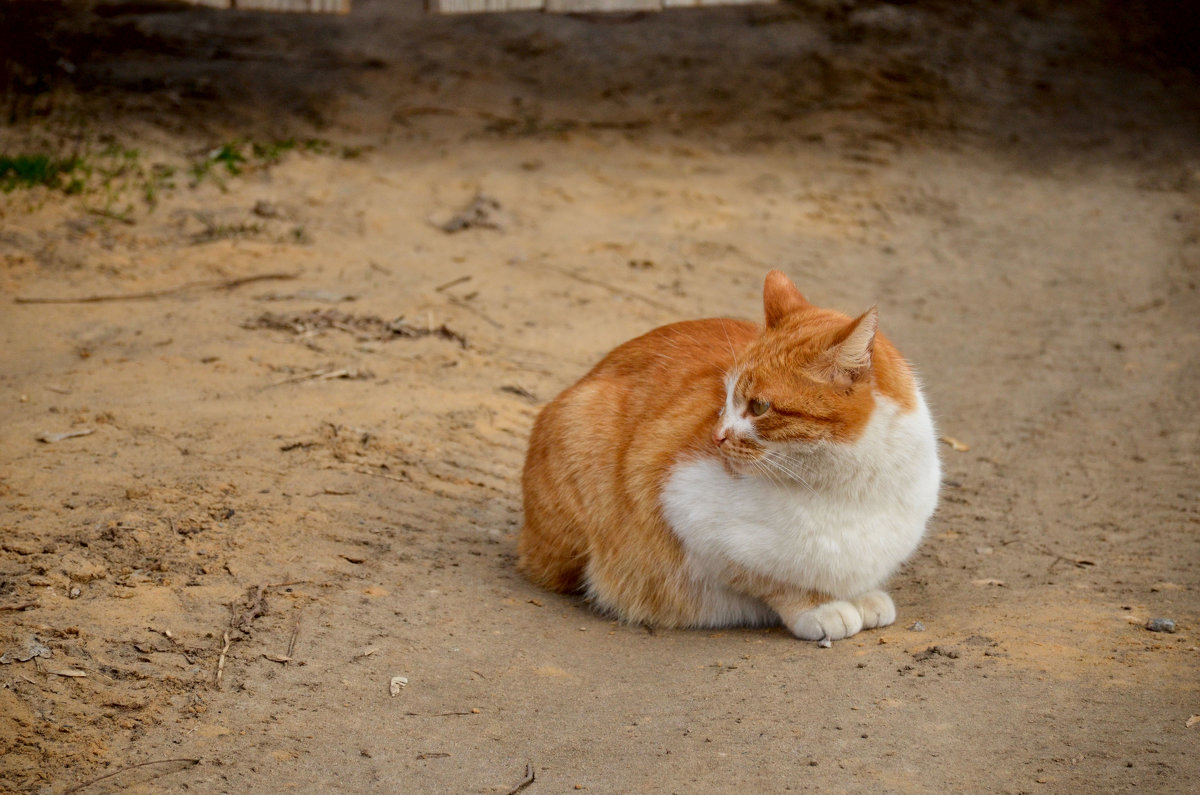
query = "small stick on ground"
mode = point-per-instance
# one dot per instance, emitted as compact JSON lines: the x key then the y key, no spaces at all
{"x":109,"y":214}
{"x":530,"y":777}
{"x":221,"y":661}
{"x":519,"y":391}
{"x":20,"y":607}
{"x":217,"y":284}
{"x":615,"y":290}
{"x":86,"y":784}
{"x":461,"y":304}
{"x":325,"y":374}
{"x":382,"y":475}
{"x":452,"y":283}
{"x":292,"y":642}
{"x":612,"y":288}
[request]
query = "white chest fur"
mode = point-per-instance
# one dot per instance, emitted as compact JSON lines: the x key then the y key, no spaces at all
{"x":859,"y":514}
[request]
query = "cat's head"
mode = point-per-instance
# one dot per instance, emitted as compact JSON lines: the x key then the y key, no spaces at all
{"x":807,"y":380}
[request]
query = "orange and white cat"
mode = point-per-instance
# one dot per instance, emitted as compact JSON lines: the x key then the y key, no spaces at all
{"x":716,"y":473}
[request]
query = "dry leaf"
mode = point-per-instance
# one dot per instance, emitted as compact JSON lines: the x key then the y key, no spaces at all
{"x":49,"y":438}
{"x":71,"y":672}
{"x":279,"y":658}
{"x":956,"y":445}
{"x":397,"y":683}
{"x":26,"y":652}
{"x":1192,"y":721}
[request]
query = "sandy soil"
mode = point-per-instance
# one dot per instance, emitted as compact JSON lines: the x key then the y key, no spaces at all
{"x":294,"y":490}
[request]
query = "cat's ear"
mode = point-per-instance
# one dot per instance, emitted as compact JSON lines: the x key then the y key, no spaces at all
{"x":781,"y":298}
{"x":849,"y":358}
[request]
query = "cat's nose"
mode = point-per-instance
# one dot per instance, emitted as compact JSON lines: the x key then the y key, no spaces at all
{"x":719,"y":437}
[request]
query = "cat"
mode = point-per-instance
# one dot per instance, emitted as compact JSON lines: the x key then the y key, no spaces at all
{"x":715,"y":473}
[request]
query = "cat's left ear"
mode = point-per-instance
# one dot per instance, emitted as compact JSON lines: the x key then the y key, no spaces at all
{"x":849,"y":359}
{"x":781,"y":298}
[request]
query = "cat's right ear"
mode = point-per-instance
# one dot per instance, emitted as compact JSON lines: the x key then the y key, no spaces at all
{"x":849,"y":358}
{"x":781,"y":298}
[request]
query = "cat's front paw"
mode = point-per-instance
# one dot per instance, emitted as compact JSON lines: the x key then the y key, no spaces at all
{"x":832,"y":620}
{"x":877,"y":609}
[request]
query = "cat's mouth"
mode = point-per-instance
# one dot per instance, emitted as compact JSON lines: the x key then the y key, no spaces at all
{"x":739,"y":457}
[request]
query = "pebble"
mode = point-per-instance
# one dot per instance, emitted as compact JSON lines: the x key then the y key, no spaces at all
{"x":917,"y":626}
{"x":1160,"y":625}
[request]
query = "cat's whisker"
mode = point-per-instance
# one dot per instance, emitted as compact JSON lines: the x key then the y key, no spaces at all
{"x":800,"y":464}
{"x":785,"y":478}
{"x":787,"y":465}
{"x":770,"y":470}
{"x":779,"y":473}
{"x":760,"y":466}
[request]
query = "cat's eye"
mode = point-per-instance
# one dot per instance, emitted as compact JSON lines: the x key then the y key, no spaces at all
{"x":759,"y":407}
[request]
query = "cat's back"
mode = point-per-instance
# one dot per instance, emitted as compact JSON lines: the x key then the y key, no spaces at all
{"x":677,"y":352}
{"x":657,"y":390}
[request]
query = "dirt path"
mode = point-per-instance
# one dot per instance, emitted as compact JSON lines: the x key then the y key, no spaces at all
{"x":299,"y":479}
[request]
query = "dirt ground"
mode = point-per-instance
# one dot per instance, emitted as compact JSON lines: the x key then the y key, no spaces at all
{"x":307,"y":401}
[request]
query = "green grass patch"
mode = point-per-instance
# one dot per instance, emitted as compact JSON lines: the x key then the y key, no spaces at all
{"x":240,"y":156}
{"x":28,"y":171}
{"x":117,"y":182}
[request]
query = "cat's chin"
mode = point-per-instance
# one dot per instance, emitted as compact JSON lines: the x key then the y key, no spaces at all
{"x":780,"y":465}
{"x":739,"y":467}
{"x":727,"y":464}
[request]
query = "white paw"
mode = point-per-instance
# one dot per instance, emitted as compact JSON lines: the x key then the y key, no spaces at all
{"x":832,"y":620}
{"x":876,"y":608}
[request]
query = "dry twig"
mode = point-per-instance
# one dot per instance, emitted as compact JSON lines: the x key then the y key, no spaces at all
{"x":382,"y":475}
{"x":254,"y":605}
{"x":109,"y":214}
{"x":86,"y":784}
{"x":216,"y":284}
{"x":463,"y":304}
{"x":292,"y":642}
{"x":221,"y":661}
{"x":530,"y":777}
{"x":20,"y":607}
{"x":453,"y":282}
{"x":325,"y":374}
